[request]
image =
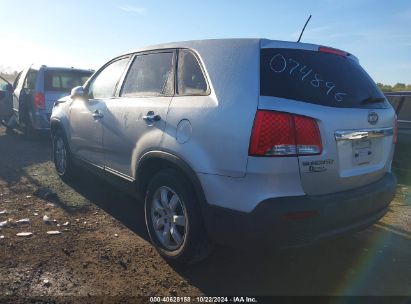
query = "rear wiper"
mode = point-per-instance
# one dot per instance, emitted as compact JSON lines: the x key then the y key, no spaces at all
{"x":373,"y":100}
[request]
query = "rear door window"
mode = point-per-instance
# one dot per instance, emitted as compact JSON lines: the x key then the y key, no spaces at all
{"x":190,"y":76}
{"x":150,"y":75}
{"x":319,"y":78}
{"x":64,"y":81}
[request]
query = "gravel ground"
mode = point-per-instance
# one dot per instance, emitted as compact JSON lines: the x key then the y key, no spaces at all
{"x":103,"y":250}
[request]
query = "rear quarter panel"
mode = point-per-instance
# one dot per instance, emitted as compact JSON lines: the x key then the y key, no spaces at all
{"x":221,"y":123}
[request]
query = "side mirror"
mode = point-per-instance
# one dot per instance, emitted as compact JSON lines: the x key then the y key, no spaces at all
{"x":77,"y":92}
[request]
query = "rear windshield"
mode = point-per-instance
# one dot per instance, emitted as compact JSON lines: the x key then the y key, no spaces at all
{"x":318,"y":78}
{"x":64,"y":80}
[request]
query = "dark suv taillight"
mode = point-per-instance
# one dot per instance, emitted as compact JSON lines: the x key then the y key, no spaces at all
{"x":39,"y":101}
{"x":284,"y":134}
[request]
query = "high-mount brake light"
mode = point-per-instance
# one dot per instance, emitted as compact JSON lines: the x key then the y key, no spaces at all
{"x":329,"y":50}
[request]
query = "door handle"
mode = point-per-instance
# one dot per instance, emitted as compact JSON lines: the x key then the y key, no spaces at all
{"x":98,"y":114}
{"x":151,"y":117}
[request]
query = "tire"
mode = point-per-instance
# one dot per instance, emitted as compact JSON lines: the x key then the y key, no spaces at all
{"x":174,"y":220}
{"x":61,"y":156}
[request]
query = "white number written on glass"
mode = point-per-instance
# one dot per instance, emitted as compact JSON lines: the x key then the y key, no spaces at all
{"x":279,"y":64}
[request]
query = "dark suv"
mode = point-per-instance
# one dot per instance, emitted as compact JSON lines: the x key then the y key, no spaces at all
{"x":401,"y":102}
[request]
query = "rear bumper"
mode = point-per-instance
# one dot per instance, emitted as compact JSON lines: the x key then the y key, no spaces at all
{"x":300,"y":220}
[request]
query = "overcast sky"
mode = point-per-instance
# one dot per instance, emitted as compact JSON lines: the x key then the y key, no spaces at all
{"x":88,"y":33}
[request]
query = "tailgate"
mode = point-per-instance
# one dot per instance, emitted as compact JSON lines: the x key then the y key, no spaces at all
{"x":355,"y":154}
{"x":51,"y":97}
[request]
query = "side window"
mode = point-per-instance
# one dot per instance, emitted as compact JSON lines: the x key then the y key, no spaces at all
{"x":104,"y":85}
{"x":190,"y":77}
{"x":150,"y":75}
{"x":30,"y":81}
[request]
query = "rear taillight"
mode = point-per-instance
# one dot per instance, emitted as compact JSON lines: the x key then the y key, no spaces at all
{"x":284,"y":134}
{"x":395,"y":134}
{"x":307,"y":135}
{"x":329,"y":50}
{"x":39,"y":102}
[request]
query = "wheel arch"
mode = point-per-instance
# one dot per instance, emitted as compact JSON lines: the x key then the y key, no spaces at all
{"x":55,"y":124}
{"x":154,"y":161}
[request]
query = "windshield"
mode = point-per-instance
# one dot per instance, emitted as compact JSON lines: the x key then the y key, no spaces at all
{"x":318,"y":78}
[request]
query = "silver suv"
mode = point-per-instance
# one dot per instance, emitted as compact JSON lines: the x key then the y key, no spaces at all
{"x":235,"y":141}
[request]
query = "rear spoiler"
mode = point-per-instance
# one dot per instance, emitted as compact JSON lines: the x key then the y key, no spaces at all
{"x":278,"y":44}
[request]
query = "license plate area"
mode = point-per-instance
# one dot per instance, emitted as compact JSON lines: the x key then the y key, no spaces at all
{"x":362,"y":151}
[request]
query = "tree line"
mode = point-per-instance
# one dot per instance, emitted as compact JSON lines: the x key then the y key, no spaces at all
{"x":395,"y":88}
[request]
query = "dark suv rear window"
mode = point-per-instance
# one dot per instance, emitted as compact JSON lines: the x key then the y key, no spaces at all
{"x":64,"y":80}
{"x":318,"y":78}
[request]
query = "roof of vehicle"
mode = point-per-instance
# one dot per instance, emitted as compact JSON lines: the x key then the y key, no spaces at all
{"x":43,"y":66}
{"x":234,"y":41}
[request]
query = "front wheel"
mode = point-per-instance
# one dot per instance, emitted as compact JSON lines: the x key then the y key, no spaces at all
{"x":173,"y":219}
{"x":61,"y":156}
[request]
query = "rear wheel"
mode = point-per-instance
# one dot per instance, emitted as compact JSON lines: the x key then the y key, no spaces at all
{"x":61,"y":156}
{"x":173,"y":219}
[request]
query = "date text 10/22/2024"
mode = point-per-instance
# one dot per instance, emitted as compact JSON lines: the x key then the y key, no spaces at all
{"x":203,"y":299}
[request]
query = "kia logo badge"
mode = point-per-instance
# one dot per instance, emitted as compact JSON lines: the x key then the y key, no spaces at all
{"x":372,"y":118}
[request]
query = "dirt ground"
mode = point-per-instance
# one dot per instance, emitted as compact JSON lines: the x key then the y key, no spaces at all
{"x":103,"y":250}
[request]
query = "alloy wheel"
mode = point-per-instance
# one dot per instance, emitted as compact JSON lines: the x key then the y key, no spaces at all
{"x":169,"y":218}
